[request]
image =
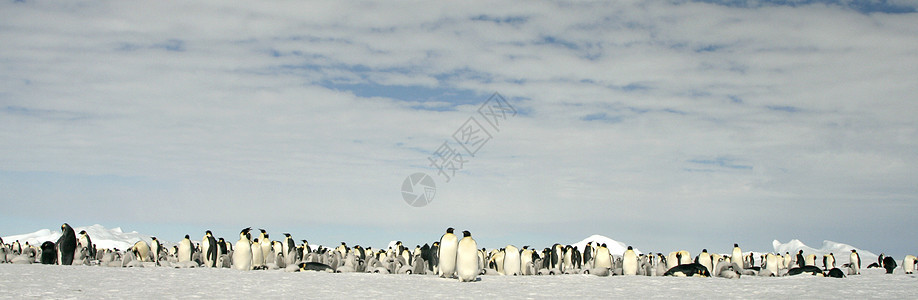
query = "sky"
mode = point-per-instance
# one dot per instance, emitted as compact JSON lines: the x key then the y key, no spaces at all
{"x":663,"y":124}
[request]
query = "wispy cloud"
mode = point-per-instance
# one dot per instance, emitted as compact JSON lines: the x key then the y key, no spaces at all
{"x":629,"y":113}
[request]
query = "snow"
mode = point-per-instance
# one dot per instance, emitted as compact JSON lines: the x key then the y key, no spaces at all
{"x":104,"y":238}
{"x":50,"y":281}
{"x":615,"y":247}
{"x":839,"y":250}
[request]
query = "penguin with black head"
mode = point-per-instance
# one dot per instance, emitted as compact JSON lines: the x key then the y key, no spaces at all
{"x":66,"y":245}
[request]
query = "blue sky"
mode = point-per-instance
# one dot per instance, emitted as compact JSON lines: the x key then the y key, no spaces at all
{"x":666,"y":125}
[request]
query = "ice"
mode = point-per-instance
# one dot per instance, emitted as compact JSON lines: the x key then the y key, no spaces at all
{"x":839,"y":250}
{"x":615,"y":247}
{"x":103,"y":238}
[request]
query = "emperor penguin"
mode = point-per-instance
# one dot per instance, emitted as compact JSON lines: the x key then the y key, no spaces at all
{"x":908,"y":264}
{"x":603,"y":258}
{"x":526,"y":261}
{"x":449,"y":244}
{"x":66,"y":245}
{"x":828,"y":261}
{"x":810,"y":260}
{"x":737,"y":256}
{"x":258,"y":257}
{"x":771,"y":263}
{"x":157,"y":248}
{"x":659,"y":261}
{"x":889,"y":264}
{"x":587,"y":253}
{"x":141,"y":251}
{"x":289,"y":244}
{"x":705,"y":260}
{"x":855,"y":264}
{"x":341,"y":248}
{"x":557,"y":257}
{"x":185,"y":249}
{"x":86,"y":242}
{"x":629,"y":262}
{"x":466,"y":265}
{"x":672,"y":260}
{"x":512,"y":261}
{"x":684,"y":257}
{"x":210,"y":249}
{"x":265,"y":245}
{"x":568,"y":262}
{"x":48,"y":254}
{"x":242,"y":253}
{"x":497,"y":258}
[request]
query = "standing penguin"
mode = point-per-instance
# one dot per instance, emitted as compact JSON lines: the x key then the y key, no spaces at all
{"x":603,"y":259}
{"x":466,"y":265}
{"x":588,"y":254}
{"x":801,"y":262}
{"x":629,"y":262}
{"x":828,"y":261}
{"x":908,"y":264}
{"x":855,"y":264}
{"x":258,"y":257}
{"x":810,"y":260}
{"x":86,"y":242}
{"x":66,"y":245}
{"x":705,"y":260}
{"x":449,"y":244}
{"x":242,"y":253}
{"x":889,"y":263}
{"x":434,"y":262}
{"x":157,"y":248}
{"x":48,"y":253}
{"x":266,"y":248}
{"x":512,"y":261}
{"x":209,"y":248}
{"x":771,"y":263}
{"x":185,"y":249}
{"x":289,"y":245}
{"x":737,"y":256}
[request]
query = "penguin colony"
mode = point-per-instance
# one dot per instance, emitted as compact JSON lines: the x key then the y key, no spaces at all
{"x":449,"y":257}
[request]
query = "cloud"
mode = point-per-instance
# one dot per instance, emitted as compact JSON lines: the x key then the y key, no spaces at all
{"x":633,"y":117}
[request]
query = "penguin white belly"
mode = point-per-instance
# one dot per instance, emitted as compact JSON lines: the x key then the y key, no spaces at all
{"x":603,"y":258}
{"x":671,"y":260}
{"x":184,"y":251}
{"x":855,"y":263}
{"x":705,"y":260}
{"x":512,"y":261}
{"x":242,"y":256}
{"x":810,"y":260}
{"x":771,"y":263}
{"x":737,"y":256}
{"x":205,"y":247}
{"x":526,"y":262}
{"x":447,"y":255}
{"x":266,"y":253}
{"x":908,"y":264}
{"x":466,"y":265}
{"x":629,"y":263}
{"x":258,"y":258}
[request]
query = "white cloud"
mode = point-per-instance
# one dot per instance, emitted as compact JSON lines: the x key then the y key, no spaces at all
{"x":220,"y":106}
